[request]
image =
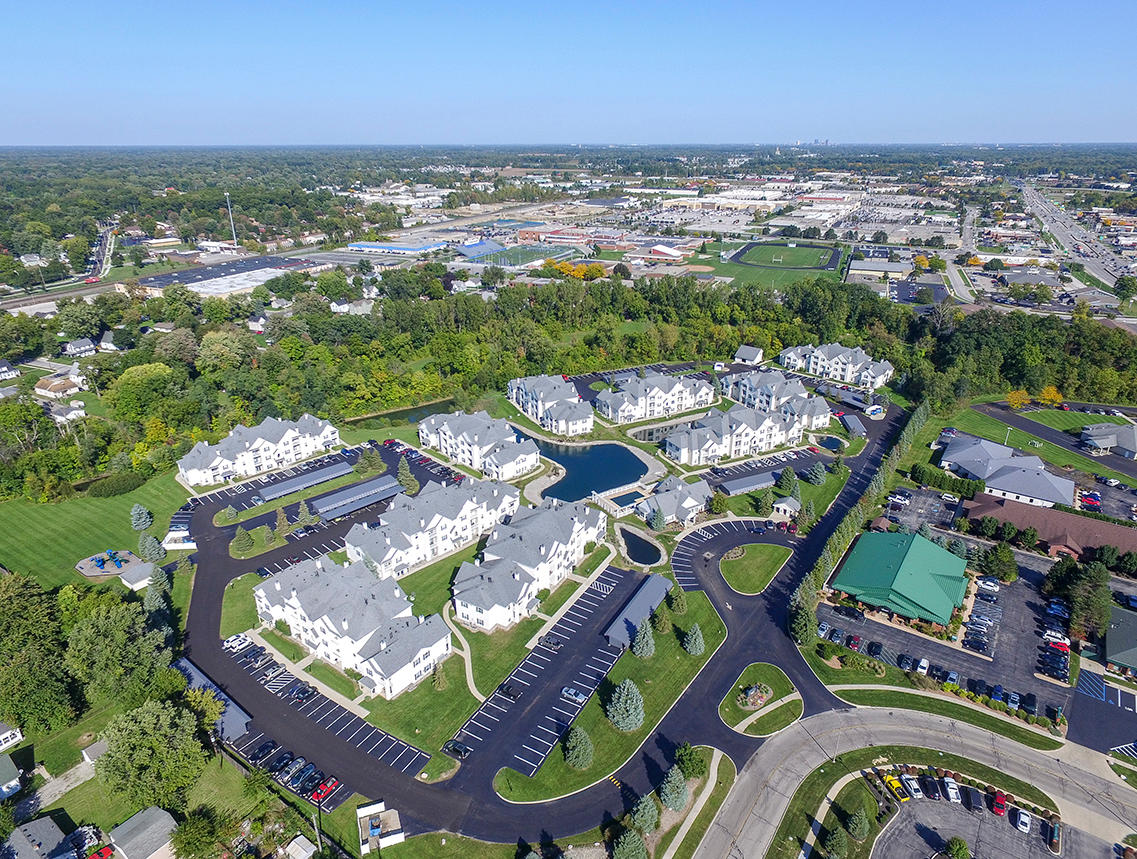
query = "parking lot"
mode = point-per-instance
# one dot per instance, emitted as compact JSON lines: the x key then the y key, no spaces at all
{"x":688,"y":551}
{"x":524,"y":719}
{"x":328,"y":715}
{"x":799,"y":460}
{"x":923,"y":827}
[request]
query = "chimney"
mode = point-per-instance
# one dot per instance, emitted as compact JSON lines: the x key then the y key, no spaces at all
{"x":516,"y":576}
{"x":383,"y":645}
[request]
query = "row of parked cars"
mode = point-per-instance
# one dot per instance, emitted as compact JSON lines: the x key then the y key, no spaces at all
{"x":928,"y":786}
{"x":293,"y":771}
{"x":1054,"y":649}
{"x":418,"y":458}
{"x":986,"y":614}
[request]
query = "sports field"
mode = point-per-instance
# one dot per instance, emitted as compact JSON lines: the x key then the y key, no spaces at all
{"x":783,"y":257}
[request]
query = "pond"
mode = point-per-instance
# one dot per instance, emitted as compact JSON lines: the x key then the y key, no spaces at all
{"x":832,"y":443}
{"x":640,"y":550}
{"x":411,"y":414}
{"x":590,"y":468}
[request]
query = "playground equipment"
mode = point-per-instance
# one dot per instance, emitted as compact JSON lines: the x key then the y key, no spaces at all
{"x":100,"y":561}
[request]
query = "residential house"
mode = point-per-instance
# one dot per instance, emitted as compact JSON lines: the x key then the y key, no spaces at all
{"x":438,"y":521}
{"x":81,"y":348}
{"x":853,"y":366}
{"x":535,"y":551}
{"x":9,"y":736}
{"x":257,"y":323}
{"x":1006,"y":473}
{"x":551,"y":402}
{"x":483,"y":443}
{"x":63,"y":384}
{"x":65,"y":414}
{"x":40,"y":838}
{"x":1111,"y":438}
{"x":106,"y":343}
{"x":360,"y":307}
{"x":145,"y":835}
{"x":748,"y":355}
{"x":273,"y":443}
{"x":7,"y":371}
{"x":355,"y":621}
{"x":676,"y":499}
{"x":654,"y":396}
{"x":9,"y":777}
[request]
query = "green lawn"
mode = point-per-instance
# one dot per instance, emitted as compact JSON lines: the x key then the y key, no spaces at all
{"x":769,"y":278}
{"x":853,"y":796}
{"x":660,"y":679}
{"x":780,"y":717}
{"x":941,"y":707}
{"x":496,"y":653}
{"x":60,"y":751}
{"x":1061,"y":420}
{"x":332,"y":677}
{"x":821,"y":496}
{"x":776,"y":255}
{"x":831,"y":676}
{"x":286,"y":647}
{"x":238,"y":611}
{"x":221,"y":785}
{"x":430,"y":586}
{"x":261,"y":543}
{"x":758,"y":565}
{"x":564,"y":592}
{"x":757,"y":672}
{"x":724,"y":780}
{"x":91,"y":803}
{"x":71,"y":530}
{"x":179,"y":597}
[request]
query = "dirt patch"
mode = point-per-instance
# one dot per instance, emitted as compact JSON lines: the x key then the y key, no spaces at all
{"x":700,"y":268}
{"x":669,"y":819}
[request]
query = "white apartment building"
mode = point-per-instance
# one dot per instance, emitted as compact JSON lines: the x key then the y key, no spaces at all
{"x":438,"y":521}
{"x":246,"y":451}
{"x":480,"y":442}
{"x":552,"y":403}
{"x":536,"y":550}
{"x":654,"y":396}
{"x":852,"y":366}
{"x":350,"y":619}
{"x":744,"y":432}
{"x":762,"y":389}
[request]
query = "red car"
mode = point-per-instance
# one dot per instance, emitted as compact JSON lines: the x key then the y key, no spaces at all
{"x":563,"y":376}
{"x":999,"y":804}
{"x":814,"y":449}
{"x":1064,"y":407}
{"x":91,"y":280}
{"x":326,"y":787}
{"x":792,"y":528}
{"x":102,"y":853}
{"x":838,"y":414}
{"x":390,"y":441}
{"x":855,"y":643}
{"x":1059,"y":646}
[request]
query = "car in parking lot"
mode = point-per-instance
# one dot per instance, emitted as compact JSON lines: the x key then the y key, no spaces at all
{"x":895,"y":788}
{"x":551,"y":642}
{"x":855,"y":643}
{"x":458,"y":751}
{"x":875,"y":648}
{"x":289,"y":771}
{"x":509,"y":691}
{"x":912,"y":786}
{"x":837,"y":635}
{"x":987,"y":585}
{"x":1059,"y":646}
{"x":280,"y":762}
{"x":823,"y":630}
{"x":1022,"y":822}
{"x":298,"y":778}
{"x":989,"y":598}
{"x":977,"y":645}
{"x":236,"y":642}
{"x":102,"y":853}
{"x":325,"y":788}
{"x":931,"y":789}
{"x":951,"y":790}
{"x":263,"y":751}
{"x":310,"y":783}
{"x":1013,"y":700}
{"x":904,"y":662}
{"x":972,"y":799}
{"x":952,"y":677}
{"x":571,"y":693}
{"x":922,"y":666}
{"x":999,"y":803}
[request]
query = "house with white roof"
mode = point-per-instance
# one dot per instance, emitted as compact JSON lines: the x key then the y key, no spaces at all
{"x":7,"y":371}
{"x":9,"y":736}
{"x":676,"y":499}
{"x":551,"y":402}
{"x":1005,"y":472}
{"x":272,"y":444}
{"x":437,"y":522}
{"x":483,"y":443}
{"x":654,"y":396}
{"x":355,"y":621}
{"x":536,"y":550}
{"x":853,"y":366}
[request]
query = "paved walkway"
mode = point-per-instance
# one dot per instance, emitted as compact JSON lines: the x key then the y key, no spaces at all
{"x":52,"y":789}
{"x":464,"y":652}
{"x":822,"y":810}
{"x":765,"y":709}
{"x":552,"y":621}
{"x":700,"y":801}
{"x":295,"y":667}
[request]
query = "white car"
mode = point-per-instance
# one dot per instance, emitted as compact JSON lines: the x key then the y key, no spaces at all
{"x":1052,"y":635}
{"x":948,"y":498}
{"x":912,"y":786}
{"x":952,"y":790}
{"x":235,"y":642}
{"x":1022,"y":822}
{"x":986,"y":585}
{"x":922,"y":666}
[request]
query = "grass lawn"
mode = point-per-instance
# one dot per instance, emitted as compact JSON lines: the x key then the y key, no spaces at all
{"x":91,"y":803}
{"x":1127,"y":774}
{"x":771,"y":278}
{"x":221,"y":786}
{"x":496,"y":653}
{"x":660,"y":679}
{"x":941,"y":707}
{"x":784,"y":257}
{"x":238,"y":611}
{"x":831,"y":676}
{"x":564,"y":592}
{"x":780,"y":717}
{"x":447,"y":845}
{"x":724,"y":779}
{"x":758,"y":565}
{"x":220,"y":519}
{"x":853,"y":796}
{"x":757,"y":672}
{"x":77,"y":528}
{"x":287,"y":648}
{"x":60,"y":751}
{"x":1061,"y":420}
{"x":332,"y":678}
{"x":821,"y":496}
{"x":180,"y":597}
{"x":261,"y":543}
{"x":429,"y":588}
{"x":798,"y":819}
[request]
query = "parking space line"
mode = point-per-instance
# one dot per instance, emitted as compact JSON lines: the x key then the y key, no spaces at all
{"x":566,"y":712}
{"x":522,"y":682}
{"x":526,"y":673}
{"x":496,"y":706}
{"x":548,"y":730}
{"x":533,"y":655}
{"x":534,"y":751}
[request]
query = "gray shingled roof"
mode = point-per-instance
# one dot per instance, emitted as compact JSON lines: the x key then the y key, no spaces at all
{"x":37,"y":839}
{"x":496,"y":582}
{"x":242,"y":438}
{"x":747,"y":353}
{"x":651,"y":592}
{"x":396,"y":643}
{"x":143,"y":834}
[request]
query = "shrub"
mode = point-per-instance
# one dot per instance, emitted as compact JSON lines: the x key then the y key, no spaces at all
{"x":578,"y":748}
{"x":688,"y":759}
{"x":115,"y":484}
{"x":626,"y":707}
{"x":643,"y":647}
{"x":673,"y":791}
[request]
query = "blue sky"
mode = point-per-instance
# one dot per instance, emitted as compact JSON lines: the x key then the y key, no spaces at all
{"x":253,"y":72}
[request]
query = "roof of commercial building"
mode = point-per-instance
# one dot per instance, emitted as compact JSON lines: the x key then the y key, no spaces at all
{"x":1000,"y":467}
{"x":144,"y":834}
{"x":651,"y":592}
{"x":1121,"y":638}
{"x":905,"y":574}
{"x":1056,"y":528}
{"x":1111,"y":435}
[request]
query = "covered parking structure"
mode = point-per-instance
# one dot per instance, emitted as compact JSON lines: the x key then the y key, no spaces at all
{"x":749,"y":483}
{"x":314,"y":477}
{"x":356,"y":497}
{"x":647,"y":598}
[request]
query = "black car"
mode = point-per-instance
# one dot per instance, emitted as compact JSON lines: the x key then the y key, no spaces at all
{"x":310,"y":783}
{"x":975,"y":644}
{"x":280,"y":762}
{"x":972,"y":798}
{"x":874,"y":649}
{"x":458,"y":751}
{"x":1029,"y":703}
{"x":931,"y":789}
{"x":904,"y":662}
{"x":303,"y":692}
{"x":986,"y":597}
{"x":509,"y":691}
{"x":551,"y":642}
{"x":263,"y":572}
{"x":263,"y":751}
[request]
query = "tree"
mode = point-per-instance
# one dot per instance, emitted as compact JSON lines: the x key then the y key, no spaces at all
{"x":621,"y":271}
{"x":230,"y":512}
{"x":693,"y":641}
{"x":816,"y":473}
{"x":405,"y":478}
{"x":879,"y":237}
{"x":643,"y":646}
{"x":206,"y":708}
{"x":718,"y":503}
{"x":999,"y":561}
{"x":673,"y":791}
{"x":837,"y":843}
{"x":153,"y":756}
{"x":802,"y":622}
{"x":256,"y":783}
{"x":1108,"y":555}
{"x":1125,"y":287}
{"x":1028,"y":537}
{"x":149,"y":549}
{"x":920,"y":262}
{"x":8,"y":820}
{"x":1008,"y":531}
{"x":859,"y":824}
{"x":578,"y":748}
{"x":1049,"y":396}
{"x":438,"y":679}
{"x":677,"y":600}
{"x":304,"y":515}
{"x":787,"y":480}
{"x":282,"y":526}
{"x":764,"y":506}
{"x":133,"y":394}
{"x":988,"y":525}
{"x":115,"y":655}
{"x":140,"y":518}
{"x":242,"y":540}
{"x":202,"y":833}
{"x":644,"y":815}
{"x":626,"y":707}
{"x":690,"y":761}
{"x":957,"y":848}
{"x":630,"y":845}
{"x":1018,"y":398}
{"x":660,"y":620}
{"x":656,"y":520}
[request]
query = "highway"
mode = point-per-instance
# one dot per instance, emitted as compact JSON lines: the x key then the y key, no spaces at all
{"x":1101,"y":261}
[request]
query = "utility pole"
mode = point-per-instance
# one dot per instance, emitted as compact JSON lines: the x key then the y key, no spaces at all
{"x":231,"y":227}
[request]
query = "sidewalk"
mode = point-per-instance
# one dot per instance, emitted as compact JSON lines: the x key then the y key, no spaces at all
{"x":700,"y":801}
{"x":52,"y":789}
{"x":463,"y":652}
{"x":822,"y":810}
{"x":295,"y":667}
{"x":764,"y":710}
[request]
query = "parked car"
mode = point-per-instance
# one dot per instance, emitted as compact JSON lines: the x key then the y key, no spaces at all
{"x":922,"y":666}
{"x":972,"y":799}
{"x":986,"y":597}
{"x":951,"y":790}
{"x":263,"y":751}
{"x":1022,"y":822}
{"x":855,"y":643}
{"x":1058,"y":646}
{"x":236,"y":642}
{"x":823,"y":630}
{"x":102,"y":853}
{"x":904,"y":662}
{"x":837,"y":636}
{"x":988,"y":586}
{"x":279,"y":762}
{"x":289,"y":771}
{"x":952,"y":677}
{"x":311,"y":783}
{"x":509,"y":691}
{"x":931,"y":789}
{"x":1054,"y":839}
{"x":895,"y":788}
{"x":912,"y":786}
{"x":999,"y":803}
{"x":300,"y":776}
{"x":325,"y":788}
{"x":1013,"y":700}
{"x":551,"y":642}
{"x":458,"y":751}
{"x":874,"y":649}
{"x":571,"y":693}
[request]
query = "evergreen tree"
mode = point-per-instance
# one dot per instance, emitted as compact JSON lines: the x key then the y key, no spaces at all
{"x":837,"y":843}
{"x":149,"y":549}
{"x":673,"y":791}
{"x":438,"y":679}
{"x":303,"y":514}
{"x":765,"y":504}
{"x":626,"y":707}
{"x":816,"y":473}
{"x":643,"y":646}
{"x":661,"y":620}
{"x":803,"y":622}
{"x":693,"y":641}
{"x":718,"y":504}
{"x":957,"y":848}
{"x":242,"y":540}
{"x":140,"y":518}
{"x":282,"y":526}
{"x":786,"y":479}
{"x":837,"y":464}
{"x":958,"y":548}
{"x":405,"y":478}
{"x":807,"y":513}
{"x":688,"y":759}
{"x":859,"y":824}
{"x":630,"y":845}
{"x":578,"y":748}
{"x":925,"y":531}
{"x":230,"y":512}
{"x":677,"y":600}
{"x":644,"y":815}
{"x":656,"y":520}
{"x":795,"y":492}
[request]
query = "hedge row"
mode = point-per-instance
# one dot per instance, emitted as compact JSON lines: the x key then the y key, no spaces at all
{"x":118,"y":483}
{"x":929,"y":475}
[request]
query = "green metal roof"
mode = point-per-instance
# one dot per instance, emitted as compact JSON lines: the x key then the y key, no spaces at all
{"x":1121,"y":638}
{"x":905,"y":574}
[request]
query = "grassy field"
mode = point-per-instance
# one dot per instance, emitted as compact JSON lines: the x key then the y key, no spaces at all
{"x":660,"y":679}
{"x":238,"y":612}
{"x":821,"y":496}
{"x":261,"y":543}
{"x":333,"y":678}
{"x":287,"y":648}
{"x":495,"y":653}
{"x":758,"y":565}
{"x":430,"y":586}
{"x":775,"y":255}
{"x":771,"y":278}
{"x":564,"y":592}
{"x":780,"y":717}
{"x":942,"y":707}
{"x":1060,"y":420}
{"x":77,"y":528}
{"x":853,"y":796}
{"x":60,"y":751}
{"x":757,"y":672}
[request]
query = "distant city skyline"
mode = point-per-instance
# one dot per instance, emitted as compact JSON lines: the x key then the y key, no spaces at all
{"x":509,"y":73}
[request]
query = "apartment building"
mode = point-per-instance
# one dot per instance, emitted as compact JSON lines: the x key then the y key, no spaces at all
{"x":480,"y":442}
{"x":852,"y":366}
{"x":744,"y":432}
{"x":654,"y":396}
{"x":553,"y":403}
{"x":246,"y":451}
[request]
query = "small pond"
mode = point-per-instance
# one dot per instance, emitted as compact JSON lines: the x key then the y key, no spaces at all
{"x":411,"y":414}
{"x":640,"y":550}
{"x":590,"y":468}
{"x":832,"y":443}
